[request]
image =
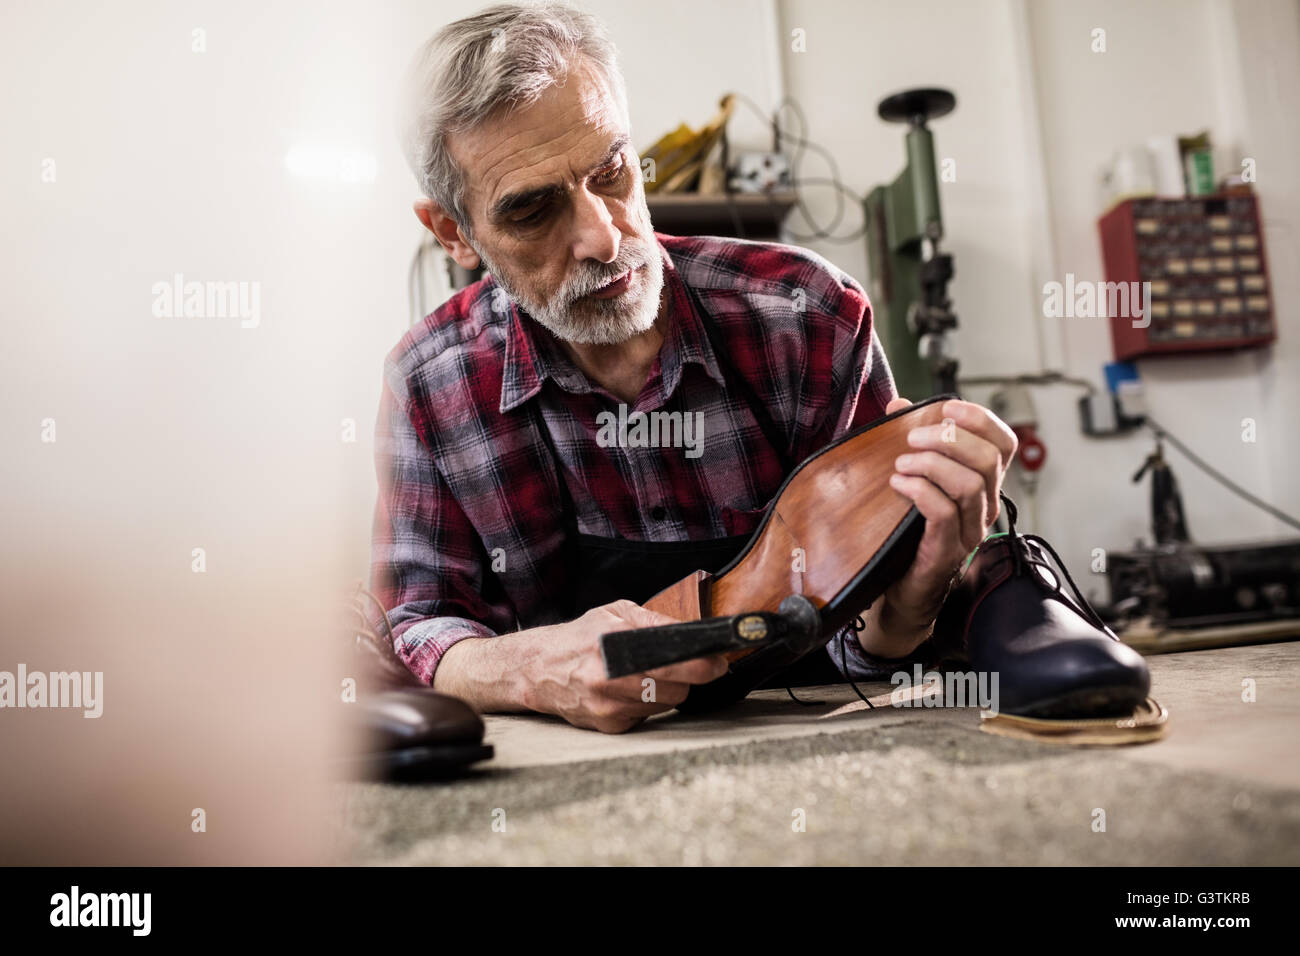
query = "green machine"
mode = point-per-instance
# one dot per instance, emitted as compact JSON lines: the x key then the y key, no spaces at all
{"x":909,"y":275}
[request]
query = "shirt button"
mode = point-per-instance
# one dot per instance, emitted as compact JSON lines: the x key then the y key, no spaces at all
{"x":659,"y":512}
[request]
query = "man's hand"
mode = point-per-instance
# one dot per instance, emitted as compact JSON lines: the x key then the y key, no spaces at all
{"x":565,"y":675}
{"x":953,"y":476}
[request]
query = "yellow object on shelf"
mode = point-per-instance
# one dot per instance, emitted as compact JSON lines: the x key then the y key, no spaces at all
{"x":679,"y":156}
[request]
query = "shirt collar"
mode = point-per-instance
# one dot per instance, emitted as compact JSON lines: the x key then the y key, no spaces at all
{"x":533,"y":354}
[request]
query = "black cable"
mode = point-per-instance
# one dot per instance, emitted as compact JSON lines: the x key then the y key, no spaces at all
{"x":858,"y":625}
{"x":415,"y":285}
{"x":802,"y":703}
{"x":801,"y":144}
{"x":797,"y":156}
{"x":410,"y":286}
{"x":826,"y":236}
{"x":725,"y":147}
{"x":822,"y":232}
{"x":779,"y":136}
{"x":1032,"y":378}
{"x":419,"y":278}
{"x":1162,"y":432}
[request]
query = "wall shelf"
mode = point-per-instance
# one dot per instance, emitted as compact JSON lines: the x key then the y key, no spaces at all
{"x":742,"y":215}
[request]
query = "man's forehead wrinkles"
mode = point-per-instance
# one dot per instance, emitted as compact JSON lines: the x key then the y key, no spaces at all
{"x":523,"y":179}
{"x":501,"y":153}
{"x":577,"y":166}
{"x":551,"y":144}
{"x":529,"y":152}
{"x":549,"y":177}
{"x":496,"y":152}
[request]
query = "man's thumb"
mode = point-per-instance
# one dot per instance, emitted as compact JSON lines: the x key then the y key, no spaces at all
{"x":637,"y":616}
{"x":896,"y":404}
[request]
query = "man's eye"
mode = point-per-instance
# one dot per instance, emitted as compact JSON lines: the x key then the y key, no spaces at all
{"x":530,"y":219}
{"x":608,"y":178}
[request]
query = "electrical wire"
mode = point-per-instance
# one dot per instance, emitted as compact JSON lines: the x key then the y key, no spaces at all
{"x":780,"y":136}
{"x":736,"y":223}
{"x":415,"y":285}
{"x":822,"y":232}
{"x":1052,"y":378}
{"x":859,"y":625}
{"x":1162,"y":432}
{"x":1031,"y":378}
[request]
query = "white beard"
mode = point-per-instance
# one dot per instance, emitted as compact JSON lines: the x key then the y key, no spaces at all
{"x":606,"y":321}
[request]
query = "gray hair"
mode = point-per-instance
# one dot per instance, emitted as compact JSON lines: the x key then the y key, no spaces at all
{"x":501,"y":58}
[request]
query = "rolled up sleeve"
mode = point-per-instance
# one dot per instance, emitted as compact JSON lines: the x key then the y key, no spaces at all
{"x":427,"y":563}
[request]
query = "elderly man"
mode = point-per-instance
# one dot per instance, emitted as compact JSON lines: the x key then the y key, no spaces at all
{"x":510,"y":533}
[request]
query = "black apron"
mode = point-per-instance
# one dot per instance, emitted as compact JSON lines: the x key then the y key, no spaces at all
{"x":602,"y":570}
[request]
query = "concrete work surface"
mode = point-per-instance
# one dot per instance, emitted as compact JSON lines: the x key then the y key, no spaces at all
{"x":769,"y":781}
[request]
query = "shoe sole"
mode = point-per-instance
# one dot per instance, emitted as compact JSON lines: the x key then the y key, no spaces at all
{"x":815,"y":509}
{"x":1084,"y":703}
{"x":418,"y":763}
{"x":1145,"y":723}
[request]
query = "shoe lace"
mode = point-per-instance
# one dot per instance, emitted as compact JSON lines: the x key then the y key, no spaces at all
{"x":1022,"y":557}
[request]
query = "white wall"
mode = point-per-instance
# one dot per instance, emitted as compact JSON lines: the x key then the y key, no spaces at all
{"x":1268,"y":51}
{"x":1170,"y":67}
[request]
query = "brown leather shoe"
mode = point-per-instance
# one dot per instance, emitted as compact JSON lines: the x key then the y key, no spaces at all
{"x":857,"y":535}
{"x":417,"y":734}
{"x":405,"y":729}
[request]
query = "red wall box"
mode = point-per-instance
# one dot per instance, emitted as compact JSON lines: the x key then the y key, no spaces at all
{"x":1204,"y":258}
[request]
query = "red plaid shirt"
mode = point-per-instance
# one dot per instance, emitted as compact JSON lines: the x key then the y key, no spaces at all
{"x":468,"y":533}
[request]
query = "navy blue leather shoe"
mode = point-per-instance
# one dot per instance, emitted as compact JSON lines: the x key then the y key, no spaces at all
{"x":1054,"y":657}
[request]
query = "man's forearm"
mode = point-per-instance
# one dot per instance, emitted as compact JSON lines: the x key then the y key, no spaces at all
{"x":485,"y":672}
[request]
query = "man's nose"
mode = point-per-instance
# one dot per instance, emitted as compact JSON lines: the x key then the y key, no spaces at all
{"x":596,"y":236}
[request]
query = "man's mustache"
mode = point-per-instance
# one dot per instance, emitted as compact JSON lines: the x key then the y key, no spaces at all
{"x":588,"y":284}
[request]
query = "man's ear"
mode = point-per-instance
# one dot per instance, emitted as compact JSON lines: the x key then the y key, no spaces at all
{"x":447,"y":231}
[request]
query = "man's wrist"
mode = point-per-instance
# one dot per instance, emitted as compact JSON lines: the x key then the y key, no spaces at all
{"x":893,"y":632}
{"x":481,"y":672}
